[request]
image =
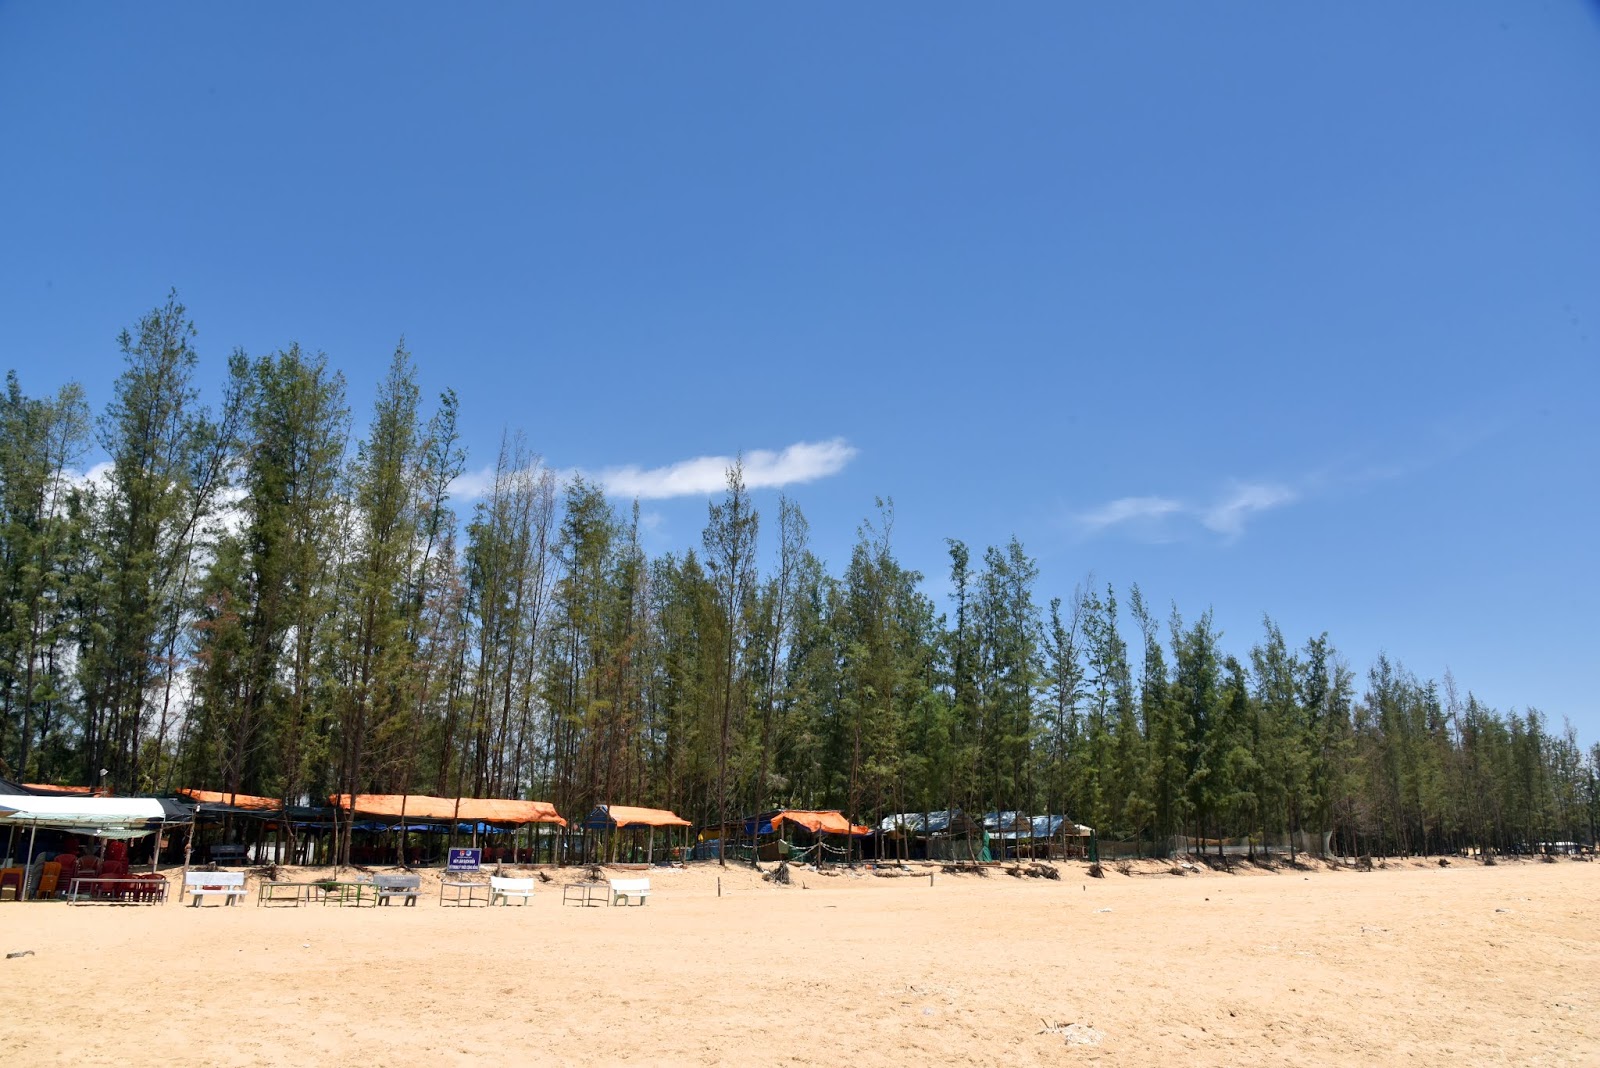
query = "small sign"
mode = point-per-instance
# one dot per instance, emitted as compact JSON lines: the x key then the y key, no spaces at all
{"x":464,"y":860}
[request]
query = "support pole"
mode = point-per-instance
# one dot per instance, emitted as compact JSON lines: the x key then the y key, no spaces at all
{"x":188,"y":853}
{"x":27,"y":868}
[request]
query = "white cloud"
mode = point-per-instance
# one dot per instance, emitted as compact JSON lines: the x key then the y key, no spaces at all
{"x":1227,"y":516}
{"x":470,"y":485}
{"x":1129,"y":510}
{"x":804,"y":461}
{"x":1156,"y":517}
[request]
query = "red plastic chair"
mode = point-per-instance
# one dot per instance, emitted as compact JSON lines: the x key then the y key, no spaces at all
{"x":69,"y":872}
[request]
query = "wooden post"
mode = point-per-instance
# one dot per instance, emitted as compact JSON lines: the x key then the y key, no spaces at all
{"x":188,"y":853}
{"x":401,"y":831}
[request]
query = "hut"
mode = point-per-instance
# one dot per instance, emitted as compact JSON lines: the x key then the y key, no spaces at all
{"x":610,"y":821}
{"x":810,"y":826}
{"x":1013,"y":834}
{"x":112,"y":820}
{"x":232,"y":825}
{"x":406,"y":814}
{"x":948,"y":834}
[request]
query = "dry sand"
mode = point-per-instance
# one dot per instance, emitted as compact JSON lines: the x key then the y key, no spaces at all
{"x":1415,"y":964}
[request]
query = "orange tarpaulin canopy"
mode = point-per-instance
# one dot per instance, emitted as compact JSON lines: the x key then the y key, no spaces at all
{"x":829,"y":822}
{"x":628,"y":816}
{"x":422,"y":806}
{"x":215,"y":797}
{"x":85,"y":791}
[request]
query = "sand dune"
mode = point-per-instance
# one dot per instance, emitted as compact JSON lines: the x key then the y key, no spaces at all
{"x":1415,"y":964}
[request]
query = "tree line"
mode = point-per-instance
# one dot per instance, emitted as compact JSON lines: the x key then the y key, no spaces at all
{"x":241,"y":599}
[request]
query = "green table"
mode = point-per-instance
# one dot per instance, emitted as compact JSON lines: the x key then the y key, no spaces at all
{"x":270,"y":893}
{"x":352,"y":894}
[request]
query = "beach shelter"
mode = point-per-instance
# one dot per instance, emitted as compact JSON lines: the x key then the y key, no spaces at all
{"x":98,"y":817}
{"x":814,"y":822}
{"x":503,"y":811}
{"x":453,"y":811}
{"x":622,"y":817}
{"x":829,"y":821}
{"x":941,"y":835}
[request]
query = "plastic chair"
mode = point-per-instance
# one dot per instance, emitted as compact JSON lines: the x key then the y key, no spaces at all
{"x":49,"y":880}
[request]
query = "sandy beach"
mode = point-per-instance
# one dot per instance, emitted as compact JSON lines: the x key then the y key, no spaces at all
{"x":1413,"y":964}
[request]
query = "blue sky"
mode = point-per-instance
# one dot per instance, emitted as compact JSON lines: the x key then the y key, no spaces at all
{"x":1279,"y":309}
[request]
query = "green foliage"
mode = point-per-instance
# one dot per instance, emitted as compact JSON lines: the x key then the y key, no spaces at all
{"x":244,"y":603}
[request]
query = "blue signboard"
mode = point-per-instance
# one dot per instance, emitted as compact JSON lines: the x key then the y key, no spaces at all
{"x":464,"y":860}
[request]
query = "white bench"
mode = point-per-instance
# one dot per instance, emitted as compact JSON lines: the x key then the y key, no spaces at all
{"x":502,"y":890}
{"x":229,"y":885}
{"x":629,"y":891}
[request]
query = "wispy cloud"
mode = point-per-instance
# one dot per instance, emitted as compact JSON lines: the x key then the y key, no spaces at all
{"x":804,"y":461}
{"x":1162,"y":518}
{"x":1227,"y":516}
{"x":700,"y":476}
{"x":1129,"y":510}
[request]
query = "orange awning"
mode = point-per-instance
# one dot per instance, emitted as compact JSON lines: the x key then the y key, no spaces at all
{"x":215,"y":797}
{"x":628,"y":816}
{"x":76,"y":791}
{"x":827,"y":822}
{"x":424,"y":807}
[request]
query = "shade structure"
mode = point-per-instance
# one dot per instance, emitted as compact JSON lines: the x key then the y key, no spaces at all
{"x":72,"y":810}
{"x":1013,"y":825}
{"x":828,"y":821}
{"x":628,"y":816}
{"x":504,"y":811}
{"x":250,"y":801}
{"x":51,"y":788}
{"x":942,"y":822}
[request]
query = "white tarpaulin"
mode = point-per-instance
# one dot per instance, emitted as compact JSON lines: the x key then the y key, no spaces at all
{"x":75,"y":811}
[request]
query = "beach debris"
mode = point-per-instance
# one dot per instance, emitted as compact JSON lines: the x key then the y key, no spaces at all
{"x":19,"y":953}
{"x":964,"y":868}
{"x":1502,"y":910}
{"x":1033,"y":871}
{"x":1107,"y":909}
{"x":1075,"y":1034}
{"x":542,"y":877}
{"x":1096,"y":871}
{"x":1444,"y":862}
{"x":780,"y":874}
